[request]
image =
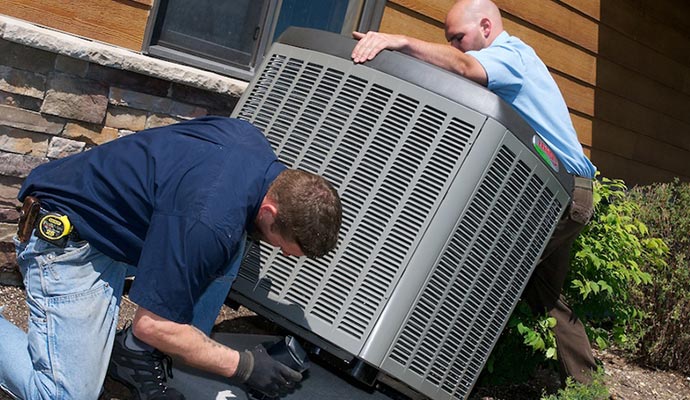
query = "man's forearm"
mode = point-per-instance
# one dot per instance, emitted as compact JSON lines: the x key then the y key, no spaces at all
{"x":185,"y":342}
{"x":446,"y":57}
{"x":441,"y":55}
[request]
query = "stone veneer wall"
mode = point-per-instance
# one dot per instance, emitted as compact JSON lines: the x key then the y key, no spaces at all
{"x":61,"y":95}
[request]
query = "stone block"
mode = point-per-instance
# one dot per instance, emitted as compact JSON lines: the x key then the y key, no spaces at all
{"x":90,"y":134}
{"x":26,"y":83}
{"x":142,"y":101}
{"x":107,"y":134}
{"x":7,"y":232}
{"x":125,"y":118}
{"x":9,"y":188}
{"x":186,"y":111}
{"x":25,"y":57}
{"x":30,"y":120}
{"x":61,"y":147}
{"x":129,"y":80}
{"x":9,"y":215}
{"x":72,"y":97}
{"x":156,"y":120}
{"x":17,"y":165}
{"x":124,"y":132}
{"x":17,"y":100}
{"x":209,"y":100}
{"x":71,"y":66}
{"x":19,"y":141}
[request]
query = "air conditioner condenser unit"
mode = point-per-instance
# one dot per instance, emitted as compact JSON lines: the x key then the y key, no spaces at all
{"x":449,"y":199}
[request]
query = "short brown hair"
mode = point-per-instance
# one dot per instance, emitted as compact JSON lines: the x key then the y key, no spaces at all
{"x":309,"y":211}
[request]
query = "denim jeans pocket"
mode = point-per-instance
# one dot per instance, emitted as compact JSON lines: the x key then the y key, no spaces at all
{"x":68,"y":270}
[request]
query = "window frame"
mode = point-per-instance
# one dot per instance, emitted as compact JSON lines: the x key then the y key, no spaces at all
{"x":362,"y":15}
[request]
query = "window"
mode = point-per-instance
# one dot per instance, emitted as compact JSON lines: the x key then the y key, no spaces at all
{"x":231,"y":36}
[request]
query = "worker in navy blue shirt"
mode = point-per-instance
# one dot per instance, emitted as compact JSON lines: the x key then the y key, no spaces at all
{"x":175,"y":202}
{"x":480,"y":50}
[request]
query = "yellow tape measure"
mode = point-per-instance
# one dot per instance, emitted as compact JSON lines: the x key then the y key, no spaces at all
{"x":54,"y":226}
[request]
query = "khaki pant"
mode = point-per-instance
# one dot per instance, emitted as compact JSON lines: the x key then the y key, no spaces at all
{"x":543,"y":292}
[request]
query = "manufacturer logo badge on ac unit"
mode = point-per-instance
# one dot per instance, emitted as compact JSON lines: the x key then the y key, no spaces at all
{"x":545,"y":152}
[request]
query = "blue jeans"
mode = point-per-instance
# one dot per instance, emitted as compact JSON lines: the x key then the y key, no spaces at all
{"x":73,"y":294}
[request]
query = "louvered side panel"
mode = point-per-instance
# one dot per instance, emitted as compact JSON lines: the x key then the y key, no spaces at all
{"x":469,"y":295}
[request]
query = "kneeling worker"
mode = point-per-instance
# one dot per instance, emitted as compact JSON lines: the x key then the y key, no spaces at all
{"x":175,"y":203}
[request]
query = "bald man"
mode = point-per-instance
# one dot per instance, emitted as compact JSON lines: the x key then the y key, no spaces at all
{"x":482,"y":51}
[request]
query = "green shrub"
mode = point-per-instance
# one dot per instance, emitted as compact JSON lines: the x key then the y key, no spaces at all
{"x":607,"y":266}
{"x":576,"y":391}
{"x":665,"y":209}
{"x":605,"y":269}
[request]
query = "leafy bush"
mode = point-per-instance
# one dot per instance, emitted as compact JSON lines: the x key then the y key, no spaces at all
{"x":665,"y":209}
{"x":576,"y":391}
{"x":605,"y":268}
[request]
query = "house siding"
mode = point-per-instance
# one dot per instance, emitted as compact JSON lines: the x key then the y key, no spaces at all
{"x":623,"y":67}
{"x":117,"y":22}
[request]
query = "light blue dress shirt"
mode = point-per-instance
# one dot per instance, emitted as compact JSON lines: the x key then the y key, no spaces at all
{"x":517,"y":75}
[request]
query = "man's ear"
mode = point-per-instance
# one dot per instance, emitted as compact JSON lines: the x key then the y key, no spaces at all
{"x":485,"y":25}
{"x":267,"y":214}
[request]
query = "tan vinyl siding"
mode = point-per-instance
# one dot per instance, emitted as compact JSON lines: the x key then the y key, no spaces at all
{"x":118,"y":22}
{"x":623,"y":67}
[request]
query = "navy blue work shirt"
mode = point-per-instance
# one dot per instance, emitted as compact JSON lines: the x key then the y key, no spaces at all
{"x":173,"y":201}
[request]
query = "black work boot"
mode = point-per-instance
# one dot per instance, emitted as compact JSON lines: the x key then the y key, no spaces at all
{"x":9,"y":270}
{"x":145,"y":373}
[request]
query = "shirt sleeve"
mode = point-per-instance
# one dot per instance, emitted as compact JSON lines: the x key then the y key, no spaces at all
{"x":180,"y":257}
{"x":504,"y":68}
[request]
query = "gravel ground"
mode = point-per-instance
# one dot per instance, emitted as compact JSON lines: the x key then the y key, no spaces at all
{"x":626,"y":381}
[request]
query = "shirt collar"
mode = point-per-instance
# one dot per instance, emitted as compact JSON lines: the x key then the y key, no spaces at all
{"x":501,"y":38}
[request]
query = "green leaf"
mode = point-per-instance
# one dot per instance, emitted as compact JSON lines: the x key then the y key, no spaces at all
{"x":551,"y":353}
{"x":605,"y":286}
{"x":601,"y":342}
{"x":522,"y":328}
{"x":594,"y":287}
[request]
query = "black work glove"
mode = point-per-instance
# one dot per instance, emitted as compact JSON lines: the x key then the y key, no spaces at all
{"x":259,"y":371}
